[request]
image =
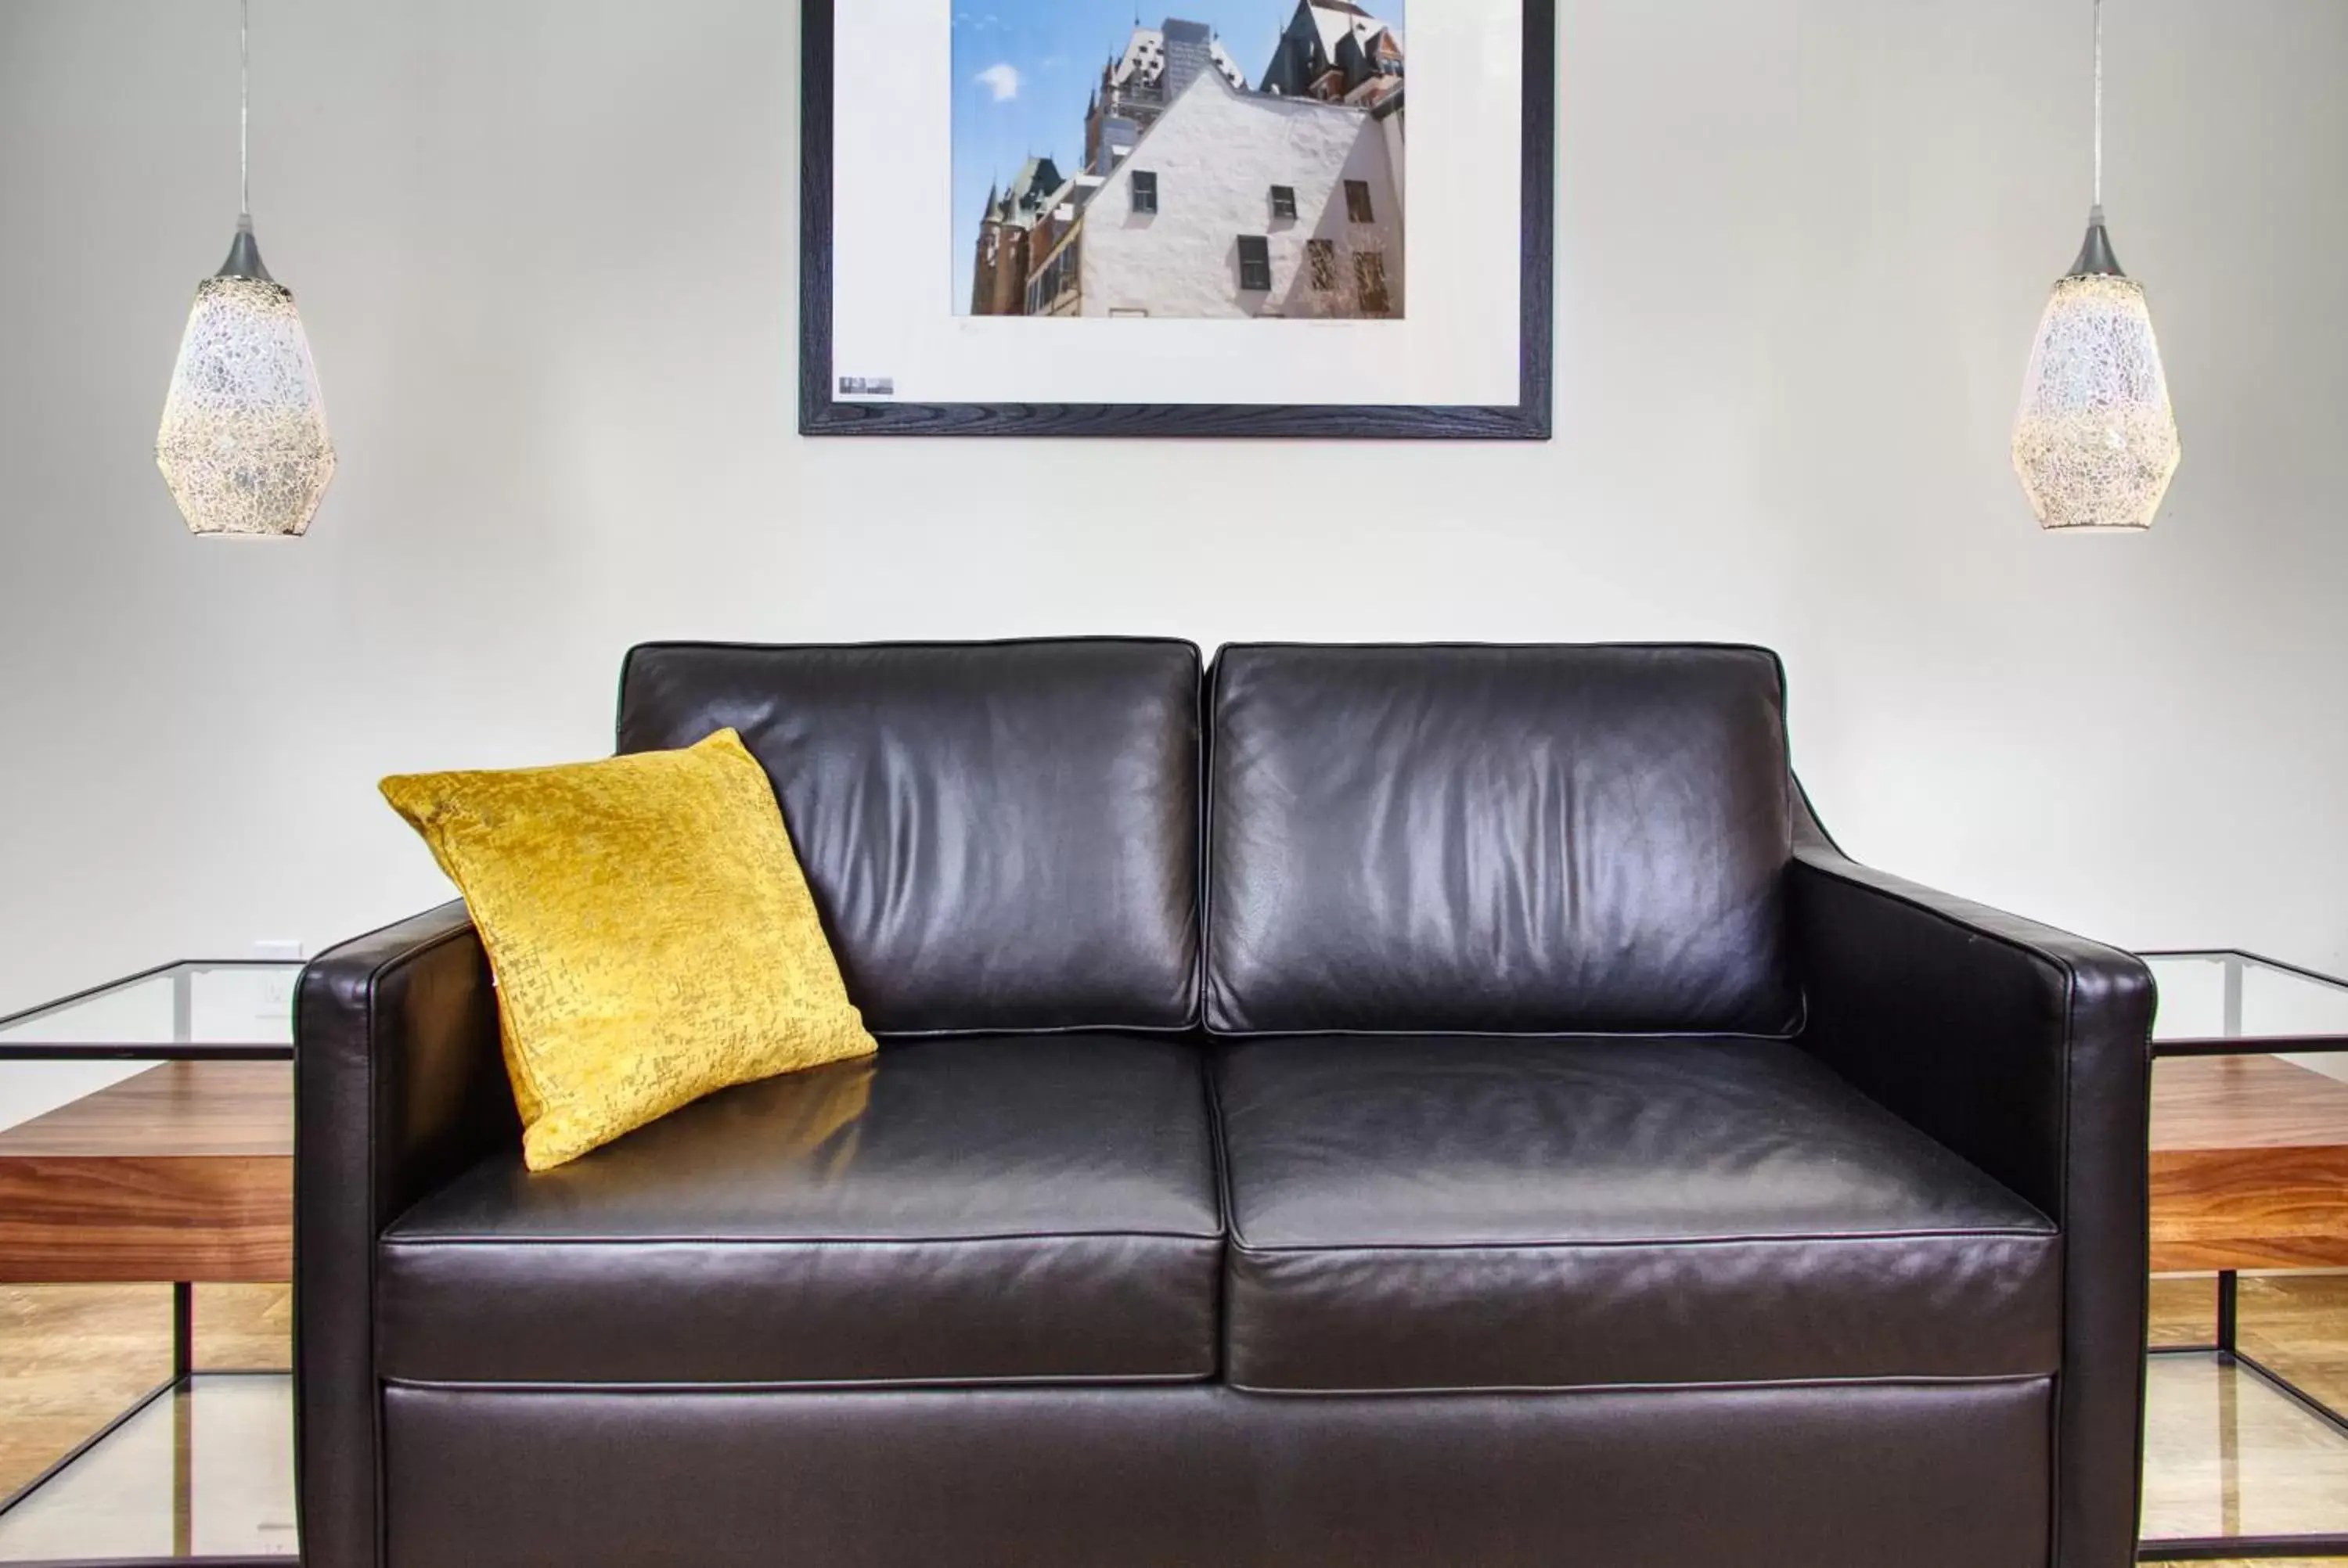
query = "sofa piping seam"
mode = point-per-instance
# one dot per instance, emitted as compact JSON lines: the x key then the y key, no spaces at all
{"x":786,"y":1385}
{"x":1240,"y":1244}
{"x":1890,"y":1379}
{"x":429,"y":1242}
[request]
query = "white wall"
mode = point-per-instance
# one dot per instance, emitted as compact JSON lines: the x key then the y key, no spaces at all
{"x":547,"y":254}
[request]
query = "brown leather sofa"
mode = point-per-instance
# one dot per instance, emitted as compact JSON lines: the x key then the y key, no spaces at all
{"x":1430,"y":1106}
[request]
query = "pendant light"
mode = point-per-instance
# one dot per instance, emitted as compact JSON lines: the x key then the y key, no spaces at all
{"x":243,"y":444}
{"x":2095,"y":443}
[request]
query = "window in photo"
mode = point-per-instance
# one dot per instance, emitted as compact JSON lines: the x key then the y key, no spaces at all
{"x":1321,"y":263}
{"x":1255,"y":262}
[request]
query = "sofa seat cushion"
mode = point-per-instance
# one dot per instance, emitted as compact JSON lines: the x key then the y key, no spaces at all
{"x":951,"y":1211}
{"x":1516,"y":1212}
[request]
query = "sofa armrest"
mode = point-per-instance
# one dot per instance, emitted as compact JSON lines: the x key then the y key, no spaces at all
{"x":398,"y":1084}
{"x":2026,"y":1049}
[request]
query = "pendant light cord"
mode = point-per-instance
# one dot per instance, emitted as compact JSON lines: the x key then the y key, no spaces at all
{"x":2099,"y":105}
{"x":245,"y":110}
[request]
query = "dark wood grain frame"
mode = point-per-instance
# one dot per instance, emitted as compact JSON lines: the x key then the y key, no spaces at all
{"x":1527,"y":419}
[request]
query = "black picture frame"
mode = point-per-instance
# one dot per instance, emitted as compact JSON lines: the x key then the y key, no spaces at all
{"x":1527,"y":419}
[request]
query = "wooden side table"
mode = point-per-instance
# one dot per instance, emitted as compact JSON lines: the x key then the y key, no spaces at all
{"x":2248,"y":1168}
{"x":2249,"y":1165}
{"x":180,"y":1170}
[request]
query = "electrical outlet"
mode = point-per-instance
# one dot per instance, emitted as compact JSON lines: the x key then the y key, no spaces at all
{"x":276,"y":1003}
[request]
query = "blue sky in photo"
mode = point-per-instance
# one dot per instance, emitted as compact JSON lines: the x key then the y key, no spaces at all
{"x":1022,"y":69}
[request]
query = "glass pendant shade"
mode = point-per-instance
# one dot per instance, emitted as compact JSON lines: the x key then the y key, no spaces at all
{"x":2096,"y":443}
{"x":244,"y":446}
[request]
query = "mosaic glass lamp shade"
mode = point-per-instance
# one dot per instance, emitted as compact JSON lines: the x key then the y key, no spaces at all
{"x":243,"y":444}
{"x":2096,"y":443}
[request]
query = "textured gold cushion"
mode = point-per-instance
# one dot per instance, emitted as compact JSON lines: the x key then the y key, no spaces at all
{"x":651,"y":933}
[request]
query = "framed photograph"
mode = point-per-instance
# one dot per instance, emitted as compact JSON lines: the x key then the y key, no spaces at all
{"x":1299,"y":218}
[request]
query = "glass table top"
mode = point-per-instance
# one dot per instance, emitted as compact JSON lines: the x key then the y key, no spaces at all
{"x":204,"y":1471}
{"x":2228,"y":1455}
{"x":2226,"y":996}
{"x":226,"y":1009}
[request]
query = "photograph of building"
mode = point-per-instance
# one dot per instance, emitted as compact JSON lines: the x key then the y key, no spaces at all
{"x":1192,"y":187}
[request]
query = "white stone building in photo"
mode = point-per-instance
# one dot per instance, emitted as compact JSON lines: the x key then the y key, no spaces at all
{"x":1233,"y":203}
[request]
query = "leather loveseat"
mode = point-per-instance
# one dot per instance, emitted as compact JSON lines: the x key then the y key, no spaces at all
{"x":1413,"y":1106}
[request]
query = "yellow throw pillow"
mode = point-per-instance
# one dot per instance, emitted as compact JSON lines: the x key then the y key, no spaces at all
{"x":651,"y":933}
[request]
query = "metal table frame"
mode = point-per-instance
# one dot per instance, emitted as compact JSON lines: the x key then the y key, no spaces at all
{"x":182,"y":1047}
{"x":2227,"y":1347}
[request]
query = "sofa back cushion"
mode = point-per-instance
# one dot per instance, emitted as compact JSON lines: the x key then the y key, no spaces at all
{"x":999,"y":836}
{"x":1497,"y":840}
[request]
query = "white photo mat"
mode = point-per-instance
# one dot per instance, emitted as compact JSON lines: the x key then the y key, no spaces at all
{"x":895,"y":244}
